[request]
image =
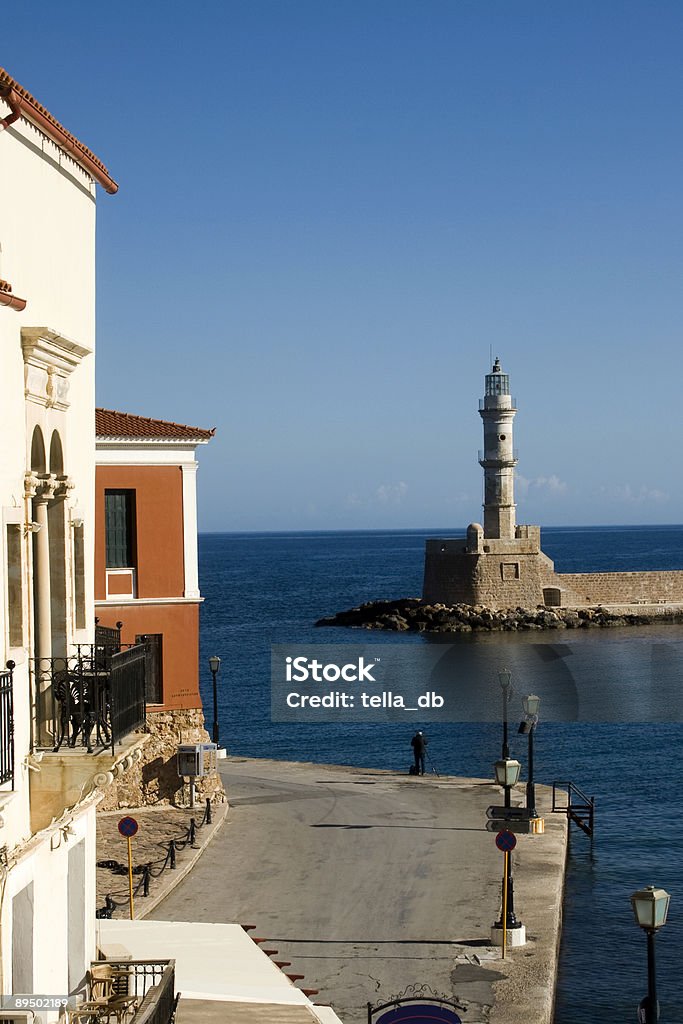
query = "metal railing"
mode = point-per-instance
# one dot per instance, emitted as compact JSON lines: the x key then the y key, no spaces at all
{"x":7,"y":725}
{"x":96,"y":692}
{"x":127,"y":690}
{"x":108,"y":636}
{"x":578,"y":807}
{"x":153,"y":983}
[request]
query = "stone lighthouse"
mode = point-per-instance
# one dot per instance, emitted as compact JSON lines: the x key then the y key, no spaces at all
{"x":498,"y":457}
{"x":499,"y":564}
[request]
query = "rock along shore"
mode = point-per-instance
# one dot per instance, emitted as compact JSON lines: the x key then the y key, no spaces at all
{"x":412,"y":614}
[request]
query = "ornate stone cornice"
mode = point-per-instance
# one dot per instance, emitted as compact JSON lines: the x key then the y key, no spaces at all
{"x":49,"y":359}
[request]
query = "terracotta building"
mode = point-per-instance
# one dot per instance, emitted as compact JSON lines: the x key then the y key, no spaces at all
{"x":146,"y":571}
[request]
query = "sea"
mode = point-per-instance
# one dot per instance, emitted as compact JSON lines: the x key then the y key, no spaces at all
{"x":262,"y":589}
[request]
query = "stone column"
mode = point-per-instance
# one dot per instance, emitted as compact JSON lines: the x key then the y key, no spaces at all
{"x":44,"y":487}
{"x":60,"y":568}
{"x":41,"y":569}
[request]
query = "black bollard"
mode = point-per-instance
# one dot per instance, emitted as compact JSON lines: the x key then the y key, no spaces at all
{"x":171,"y":852}
{"x":145,"y":880}
{"x":193,"y":831}
{"x":208,"y":810}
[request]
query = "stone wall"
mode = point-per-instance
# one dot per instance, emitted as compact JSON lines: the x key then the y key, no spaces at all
{"x":620,"y":588}
{"x":506,"y":577}
{"x":500,"y":579}
{"x":154,"y":778}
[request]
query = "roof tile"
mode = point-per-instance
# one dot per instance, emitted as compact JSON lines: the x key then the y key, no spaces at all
{"x":109,"y":423}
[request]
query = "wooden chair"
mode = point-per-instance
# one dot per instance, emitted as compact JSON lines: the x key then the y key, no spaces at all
{"x":108,"y":997}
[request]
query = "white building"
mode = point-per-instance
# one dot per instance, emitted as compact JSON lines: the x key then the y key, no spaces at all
{"x":51,"y":697}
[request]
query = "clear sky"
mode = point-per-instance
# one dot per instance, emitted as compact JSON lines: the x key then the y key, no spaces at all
{"x":331,"y":211}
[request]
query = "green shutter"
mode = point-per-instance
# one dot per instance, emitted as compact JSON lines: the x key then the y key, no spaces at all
{"x":118,"y":521}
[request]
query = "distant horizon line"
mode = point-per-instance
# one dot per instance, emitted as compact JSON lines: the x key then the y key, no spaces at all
{"x":440,"y":531}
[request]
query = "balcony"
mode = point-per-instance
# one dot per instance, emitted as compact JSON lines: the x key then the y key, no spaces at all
{"x":7,"y":726}
{"x":132,"y":991}
{"x":511,"y":459}
{"x":92,"y":698}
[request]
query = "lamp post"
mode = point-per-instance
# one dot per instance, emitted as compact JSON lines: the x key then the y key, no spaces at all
{"x":650,"y":907}
{"x":531,"y":705}
{"x":507,"y":776}
{"x":214,"y":665}
{"x":505,"y":679}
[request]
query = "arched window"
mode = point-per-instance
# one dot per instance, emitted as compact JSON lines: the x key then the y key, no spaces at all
{"x":56,"y":455}
{"x":38,"y":452}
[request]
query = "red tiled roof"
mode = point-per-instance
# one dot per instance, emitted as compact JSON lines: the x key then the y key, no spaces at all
{"x":109,"y":423}
{"x":29,"y":107}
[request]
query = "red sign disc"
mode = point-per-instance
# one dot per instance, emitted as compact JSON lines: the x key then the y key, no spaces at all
{"x":128,"y":827}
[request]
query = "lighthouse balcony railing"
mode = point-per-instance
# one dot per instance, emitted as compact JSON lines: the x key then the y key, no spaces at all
{"x":512,"y":456}
{"x":513,"y":402}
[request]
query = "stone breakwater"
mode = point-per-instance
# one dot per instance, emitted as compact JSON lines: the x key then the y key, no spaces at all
{"x":411,"y":614}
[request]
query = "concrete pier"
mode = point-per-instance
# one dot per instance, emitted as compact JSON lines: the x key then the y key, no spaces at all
{"x":367,"y":882}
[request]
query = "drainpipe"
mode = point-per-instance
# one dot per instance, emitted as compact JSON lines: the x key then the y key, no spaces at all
{"x":7,"y":299}
{"x":10,"y":97}
{"x":32,"y":111}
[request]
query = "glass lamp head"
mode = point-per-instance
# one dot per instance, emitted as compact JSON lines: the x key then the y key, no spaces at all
{"x":505,"y":678}
{"x":531,"y":705}
{"x":650,"y":907}
{"x":507,"y":772}
{"x":214,"y":663}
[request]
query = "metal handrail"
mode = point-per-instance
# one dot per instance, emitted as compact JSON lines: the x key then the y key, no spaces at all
{"x":581,"y":813}
{"x":144,"y":974}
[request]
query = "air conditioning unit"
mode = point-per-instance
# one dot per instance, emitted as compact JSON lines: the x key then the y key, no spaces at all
{"x":196,"y":760}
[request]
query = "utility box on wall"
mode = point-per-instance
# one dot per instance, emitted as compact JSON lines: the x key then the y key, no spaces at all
{"x":195,"y":760}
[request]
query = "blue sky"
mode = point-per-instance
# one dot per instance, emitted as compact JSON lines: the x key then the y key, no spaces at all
{"x":329,"y":214}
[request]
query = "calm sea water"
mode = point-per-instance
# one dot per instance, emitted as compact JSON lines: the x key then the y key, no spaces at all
{"x":270,"y":588}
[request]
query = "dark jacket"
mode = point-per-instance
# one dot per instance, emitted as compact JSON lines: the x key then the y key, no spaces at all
{"x":419,"y":743}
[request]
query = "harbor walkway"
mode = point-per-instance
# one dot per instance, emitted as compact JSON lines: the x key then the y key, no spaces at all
{"x":367,"y":882}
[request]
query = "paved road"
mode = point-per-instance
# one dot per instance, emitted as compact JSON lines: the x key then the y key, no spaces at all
{"x":366,"y":881}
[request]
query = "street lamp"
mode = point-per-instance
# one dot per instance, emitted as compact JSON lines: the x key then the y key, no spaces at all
{"x":505,"y":679}
{"x":214,"y":665}
{"x":650,"y":907}
{"x":531,"y":705}
{"x":507,"y":776}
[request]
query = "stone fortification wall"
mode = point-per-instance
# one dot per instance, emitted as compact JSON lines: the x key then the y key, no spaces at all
{"x":507,"y":577}
{"x":626,"y":588}
{"x":154,"y":779}
{"x":504,"y":575}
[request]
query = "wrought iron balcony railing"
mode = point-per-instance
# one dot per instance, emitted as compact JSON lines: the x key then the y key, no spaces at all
{"x":7,"y":725}
{"x":141,"y":990}
{"x":97,"y":693}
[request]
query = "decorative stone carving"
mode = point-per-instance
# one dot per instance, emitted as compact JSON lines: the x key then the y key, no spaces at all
{"x":30,"y":485}
{"x":63,"y":487}
{"x":45,"y":490}
{"x":49,"y":359}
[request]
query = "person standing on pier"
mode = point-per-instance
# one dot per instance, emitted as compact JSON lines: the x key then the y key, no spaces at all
{"x":419,"y":744}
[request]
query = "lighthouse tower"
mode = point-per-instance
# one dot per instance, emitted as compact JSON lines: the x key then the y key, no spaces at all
{"x":498,"y":457}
